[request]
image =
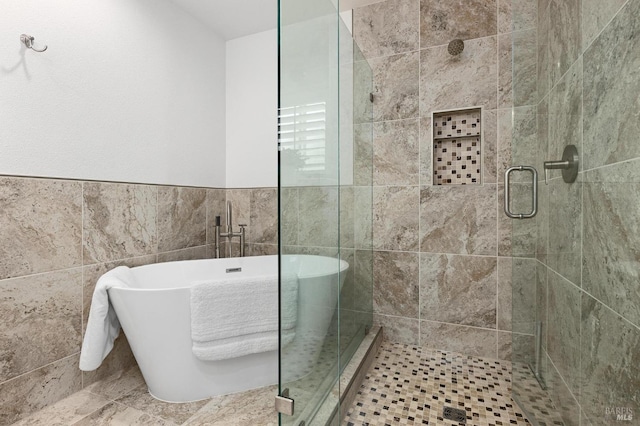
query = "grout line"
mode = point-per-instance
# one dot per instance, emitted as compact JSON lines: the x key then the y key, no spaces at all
{"x":40,"y":368}
{"x":615,"y":15}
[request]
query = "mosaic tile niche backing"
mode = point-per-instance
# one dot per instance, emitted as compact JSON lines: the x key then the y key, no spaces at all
{"x":457,"y":147}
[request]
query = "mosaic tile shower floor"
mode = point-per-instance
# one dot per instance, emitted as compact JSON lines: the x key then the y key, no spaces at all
{"x":409,"y":385}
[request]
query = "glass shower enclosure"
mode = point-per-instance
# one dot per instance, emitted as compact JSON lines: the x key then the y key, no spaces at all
{"x":325,"y":205}
{"x":575,"y":265}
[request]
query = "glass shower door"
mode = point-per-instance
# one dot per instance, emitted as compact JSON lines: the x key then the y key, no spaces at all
{"x":575,"y":266}
{"x":325,"y":168}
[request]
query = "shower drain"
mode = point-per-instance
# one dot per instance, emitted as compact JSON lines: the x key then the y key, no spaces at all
{"x":455,"y":414}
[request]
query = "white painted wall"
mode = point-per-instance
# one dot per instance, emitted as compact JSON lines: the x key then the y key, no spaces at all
{"x":252,"y":111}
{"x":129,"y":90}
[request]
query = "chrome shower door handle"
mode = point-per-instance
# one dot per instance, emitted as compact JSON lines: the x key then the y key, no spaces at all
{"x":507,"y":192}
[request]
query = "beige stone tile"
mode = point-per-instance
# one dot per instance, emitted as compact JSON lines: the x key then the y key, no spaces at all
{"x":395,"y":217}
{"x":67,"y":411}
{"x":516,"y":15}
{"x":178,"y":413}
{"x":442,"y":22}
{"x":41,"y":225}
{"x":182,"y":217}
{"x":458,"y":338}
{"x":387,"y":28}
{"x":253,"y":407}
{"x":191,"y":253}
{"x":37,"y":389}
{"x":396,"y":152}
{"x":216,"y":206}
{"x":458,"y":219}
{"x":396,"y":283}
{"x":117,"y":385}
{"x":118,"y":414}
{"x":395,"y":86}
{"x":119,"y":221}
{"x":467,"y":80}
{"x":458,"y":289}
{"x":42,"y":320}
{"x":398,"y":329}
{"x":565,"y":32}
{"x":264,"y":216}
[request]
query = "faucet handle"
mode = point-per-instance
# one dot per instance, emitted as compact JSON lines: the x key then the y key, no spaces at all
{"x":243,"y":225}
{"x":568,"y":165}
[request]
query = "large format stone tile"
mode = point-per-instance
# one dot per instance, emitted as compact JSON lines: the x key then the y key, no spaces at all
{"x":516,"y":294}
{"x":398,"y":329}
{"x":117,"y":385}
{"x":396,"y":152}
{"x":67,"y":411}
{"x":443,"y":21}
{"x":565,"y":36}
{"x":363,"y":276}
{"x":541,"y":305}
{"x":118,"y":414}
{"x":459,"y":338}
{"x":289,"y":215}
{"x":458,"y":219}
{"x":516,"y":15}
{"x":517,"y":142}
{"x":363,"y":217}
{"x":254,"y":407}
{"x":458,"y":289}
{"x":564,"y":401}
{"x":363,"y":154}
{"x":41,"y":320}
{"x":140,"y":399}
{"x":348,"y":216}
{"x":264,"y":216}
{"x":563,"y":339}
{"x":396,"y":89}
{"x":490,"y":147}
{"x":517,"y":69}
{"x":565,"y":229}
{"x":119,"y":221}
{"x":610,"y":372}
{"x":565,"y":115}
{"x":467,"y":80}
{"x":596,"y":14}
{"x":387,"y":28}
{"x":395,"y":218}
{"x":426,"y":151}
{"x":31,"y":392}
{"x":611,"y":86}
{"x":191,"y":253}
{"x":40,"y":225}
{"x":396,"y":283}
{"x":611,"y":244}
{"x":544,"y":53}
{"x":216,"y":206}
{"x":182,"y":217}
{"x":318,"y":216}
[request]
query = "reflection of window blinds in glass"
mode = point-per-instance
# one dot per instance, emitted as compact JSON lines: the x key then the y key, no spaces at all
{"x":303,"y":129}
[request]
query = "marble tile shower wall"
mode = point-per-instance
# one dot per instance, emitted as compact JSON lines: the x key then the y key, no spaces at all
{"x":442,"y":254}
{"x":59,"y":236}
{"x":587,"y":238}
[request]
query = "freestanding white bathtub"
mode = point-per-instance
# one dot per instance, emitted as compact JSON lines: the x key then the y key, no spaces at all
{"x":155,"y":316}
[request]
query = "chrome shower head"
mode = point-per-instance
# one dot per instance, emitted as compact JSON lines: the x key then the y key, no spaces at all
{"x":456,"y":47}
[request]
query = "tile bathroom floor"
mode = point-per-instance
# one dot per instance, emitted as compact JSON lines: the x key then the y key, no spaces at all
{"x":405,"y":385}
{"x":409,"y":385}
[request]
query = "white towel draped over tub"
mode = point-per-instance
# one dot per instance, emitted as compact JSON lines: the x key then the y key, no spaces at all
{"x":103,"y":326}
{"x":239,"y":316}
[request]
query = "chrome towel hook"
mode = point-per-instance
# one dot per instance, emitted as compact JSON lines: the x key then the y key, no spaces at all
{"x":27,"y":40}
